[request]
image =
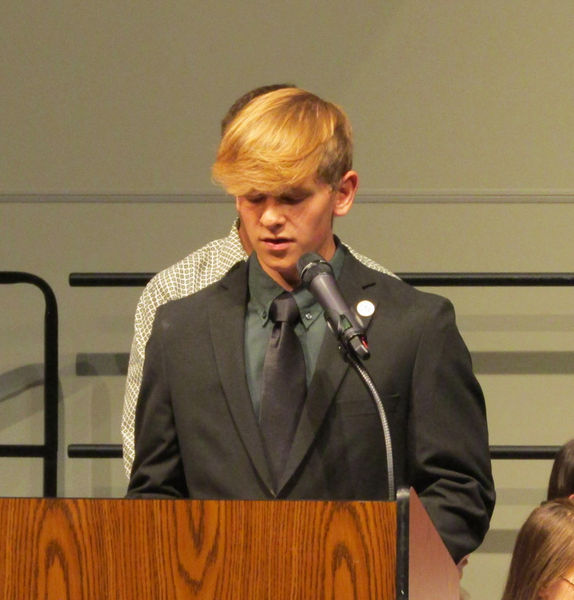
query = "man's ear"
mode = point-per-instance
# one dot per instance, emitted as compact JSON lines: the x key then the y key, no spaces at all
{"x":345,"y":193}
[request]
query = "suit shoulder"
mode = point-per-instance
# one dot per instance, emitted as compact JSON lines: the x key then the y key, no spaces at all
{"x":394,"y":291}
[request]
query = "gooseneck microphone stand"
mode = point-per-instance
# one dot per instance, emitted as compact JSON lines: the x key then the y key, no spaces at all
{"x":351,"y":357}
{"x":317,"y":275}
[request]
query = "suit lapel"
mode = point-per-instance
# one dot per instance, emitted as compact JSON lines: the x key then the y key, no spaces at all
{"x":227,"y":324}
{"x":331,"y":368}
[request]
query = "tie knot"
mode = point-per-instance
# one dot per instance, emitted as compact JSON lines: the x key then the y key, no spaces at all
{"x":284,"y":309}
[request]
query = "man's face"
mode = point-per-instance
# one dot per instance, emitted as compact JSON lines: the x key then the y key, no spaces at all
{"x":282,"y":228}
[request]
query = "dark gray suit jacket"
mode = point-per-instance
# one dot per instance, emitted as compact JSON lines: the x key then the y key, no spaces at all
{"x":197,"y":436}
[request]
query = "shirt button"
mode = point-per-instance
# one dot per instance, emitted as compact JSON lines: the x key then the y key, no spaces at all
{"x":308,"y":316}
{"x":263,"y":314}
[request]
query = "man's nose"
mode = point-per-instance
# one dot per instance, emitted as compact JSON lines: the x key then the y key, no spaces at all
{"x":272,"y":215}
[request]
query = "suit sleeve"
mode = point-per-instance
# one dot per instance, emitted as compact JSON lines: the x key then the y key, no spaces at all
{"x":157,"y":469}
{"x":449,"y":459}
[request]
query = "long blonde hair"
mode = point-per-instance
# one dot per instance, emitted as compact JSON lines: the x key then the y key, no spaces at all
{"x":280,"y":139}
{"x":544,"y":550}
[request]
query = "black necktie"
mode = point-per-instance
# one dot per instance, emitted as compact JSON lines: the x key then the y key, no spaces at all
{"x":283,"y":384}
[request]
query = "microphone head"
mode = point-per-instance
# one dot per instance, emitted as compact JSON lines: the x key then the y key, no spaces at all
{"x":310,"y":265}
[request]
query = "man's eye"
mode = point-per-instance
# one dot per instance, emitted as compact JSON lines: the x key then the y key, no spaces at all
{"x":292,"y":199}
{"x":255,"y":199}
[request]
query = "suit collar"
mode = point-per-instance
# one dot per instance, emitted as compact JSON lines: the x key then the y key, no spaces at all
{"x":227,"y":323}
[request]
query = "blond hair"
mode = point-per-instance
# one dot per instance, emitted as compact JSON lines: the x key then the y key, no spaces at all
{"x":279,"y":140}
{"x":544,"y":550}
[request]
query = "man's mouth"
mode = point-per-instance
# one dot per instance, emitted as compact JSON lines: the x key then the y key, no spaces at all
{"x":276,"y":243}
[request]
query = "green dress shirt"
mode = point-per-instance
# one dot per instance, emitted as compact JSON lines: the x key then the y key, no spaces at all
{"x":310,"y":329}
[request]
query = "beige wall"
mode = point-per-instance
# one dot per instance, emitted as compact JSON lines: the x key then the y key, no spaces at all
{"x":464,"y":127}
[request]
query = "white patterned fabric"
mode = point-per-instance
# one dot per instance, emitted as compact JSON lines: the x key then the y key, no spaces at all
{"x":194,"y":272}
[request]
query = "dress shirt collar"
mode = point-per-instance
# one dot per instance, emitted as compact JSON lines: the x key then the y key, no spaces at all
{"x":263,"y":290}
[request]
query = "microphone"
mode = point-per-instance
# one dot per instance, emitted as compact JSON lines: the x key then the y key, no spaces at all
{"x":317,"y":275}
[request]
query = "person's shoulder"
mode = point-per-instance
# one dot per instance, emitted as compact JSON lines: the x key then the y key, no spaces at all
{"x":197,"y":270}
{"x":391,"y":288}
{"x":198,"y":301}
{"x":368,"y":262}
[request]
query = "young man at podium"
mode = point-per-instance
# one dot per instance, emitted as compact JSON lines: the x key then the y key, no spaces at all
{"x":245,"y":393}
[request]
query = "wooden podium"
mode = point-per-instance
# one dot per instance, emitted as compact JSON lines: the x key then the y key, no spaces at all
{"x":80,"y":549}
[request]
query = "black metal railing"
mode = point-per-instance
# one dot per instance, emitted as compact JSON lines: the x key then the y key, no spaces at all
{"x":48,"y":451}
{"x":496,"y":452}
{"x":416,"y":279}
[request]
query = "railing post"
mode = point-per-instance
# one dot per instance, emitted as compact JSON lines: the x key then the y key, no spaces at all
{"x":49,"y":450}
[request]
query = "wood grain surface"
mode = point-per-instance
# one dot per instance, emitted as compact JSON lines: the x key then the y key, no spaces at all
{"x":77,"y":549}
